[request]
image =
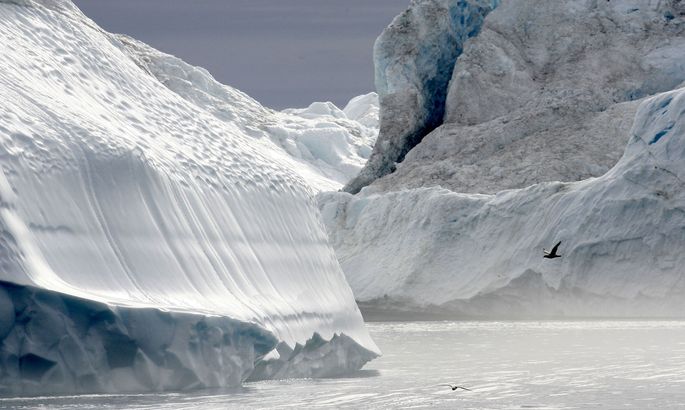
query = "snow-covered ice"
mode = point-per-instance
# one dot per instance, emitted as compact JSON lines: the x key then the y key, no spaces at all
{"x":364,"y":109}
{"x":154,"y":224}
{"x":337,"y":142}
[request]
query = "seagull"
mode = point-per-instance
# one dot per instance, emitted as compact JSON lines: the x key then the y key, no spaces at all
{"x":553,"y":254}
{"x":456,"y":387}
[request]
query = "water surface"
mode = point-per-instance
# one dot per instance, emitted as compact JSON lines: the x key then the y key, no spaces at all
{"x":509,"y":365}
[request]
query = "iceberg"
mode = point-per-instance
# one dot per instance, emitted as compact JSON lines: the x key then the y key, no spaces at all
{"x":541,"y":92}
{"x":437,"y":253}
{"x":154,"y":232}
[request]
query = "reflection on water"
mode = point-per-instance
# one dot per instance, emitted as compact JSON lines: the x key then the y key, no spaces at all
{"x":509,"y":365}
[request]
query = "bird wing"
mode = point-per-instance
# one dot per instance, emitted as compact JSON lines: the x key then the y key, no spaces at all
{"x":464,"y":388}
{"x":554,"y":250}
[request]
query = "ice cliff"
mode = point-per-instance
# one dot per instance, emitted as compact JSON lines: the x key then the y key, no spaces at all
{"x":156,"y":231}
{"x":414,"y":58}
{"x":545,"y":91}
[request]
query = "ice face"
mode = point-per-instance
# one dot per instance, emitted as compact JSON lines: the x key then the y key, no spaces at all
{"x":414,"y":58}
{"x":132,"y":180}
{"x":546,"y":91}
{"x":622,"y":234}
{"x":56,"y":343}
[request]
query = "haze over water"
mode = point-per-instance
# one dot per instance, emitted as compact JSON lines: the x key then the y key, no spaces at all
{"x":509,"y":365}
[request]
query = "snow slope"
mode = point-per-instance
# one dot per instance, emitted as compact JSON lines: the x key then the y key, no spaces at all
{"x":431,"y":249}
{"x":130,"y":183}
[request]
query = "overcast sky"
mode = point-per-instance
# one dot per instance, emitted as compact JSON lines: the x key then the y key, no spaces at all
{"x":284,"y":53}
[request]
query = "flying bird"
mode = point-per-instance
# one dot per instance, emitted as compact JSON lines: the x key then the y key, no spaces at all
{"x":456,"y":387}
{"x":553,"y":253}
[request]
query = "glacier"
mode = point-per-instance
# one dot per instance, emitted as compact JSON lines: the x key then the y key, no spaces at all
{"x":157,"y":229}
{"x":544,"y":92}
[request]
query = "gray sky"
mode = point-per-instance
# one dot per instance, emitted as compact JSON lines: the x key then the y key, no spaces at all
{"x":284,"y":53}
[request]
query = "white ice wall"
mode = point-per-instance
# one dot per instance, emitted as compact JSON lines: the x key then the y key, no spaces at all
{"x":115,"y":188}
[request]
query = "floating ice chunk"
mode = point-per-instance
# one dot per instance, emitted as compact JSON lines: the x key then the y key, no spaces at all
{"x":133,"y":184}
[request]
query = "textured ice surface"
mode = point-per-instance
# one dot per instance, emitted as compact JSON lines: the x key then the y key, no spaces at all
{"x":55,"y":343}
{"x":338,"y":142}
{"x":414,"y":58}
{"x":320,"y":143}
{"x":546,"y":91}
{"x":131,"y":179}
{"x":318,"y":357}
{"x":622,"y":237}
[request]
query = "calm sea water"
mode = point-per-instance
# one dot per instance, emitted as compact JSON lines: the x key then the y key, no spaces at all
{"x":508,"y":365}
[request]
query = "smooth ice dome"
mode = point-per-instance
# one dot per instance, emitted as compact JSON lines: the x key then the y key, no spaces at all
{"x":155,"y":232}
